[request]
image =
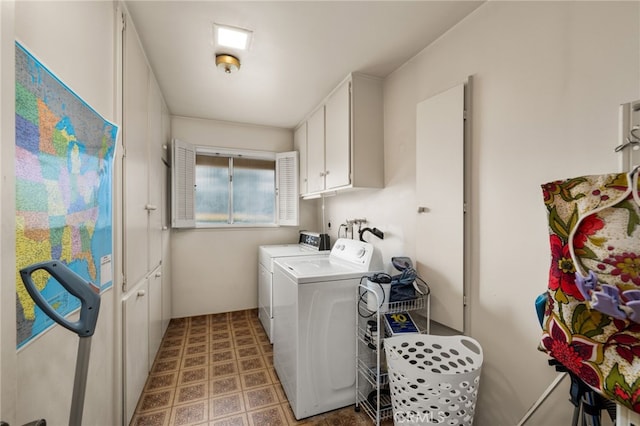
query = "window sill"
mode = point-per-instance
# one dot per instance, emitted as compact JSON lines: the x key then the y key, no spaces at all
{"x":236,"y":226}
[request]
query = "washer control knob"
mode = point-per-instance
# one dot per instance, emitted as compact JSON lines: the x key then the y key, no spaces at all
{"x":361,"y":252}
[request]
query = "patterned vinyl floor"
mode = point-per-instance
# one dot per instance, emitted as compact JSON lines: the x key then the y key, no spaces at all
{"x":217,"y":370}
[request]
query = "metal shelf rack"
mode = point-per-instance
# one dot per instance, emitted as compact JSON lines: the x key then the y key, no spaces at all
{"x":372,"y":380}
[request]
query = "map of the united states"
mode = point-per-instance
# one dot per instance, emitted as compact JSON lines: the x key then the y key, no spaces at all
{"x":64,"y":161}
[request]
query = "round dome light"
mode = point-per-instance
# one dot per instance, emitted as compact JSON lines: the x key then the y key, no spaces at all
{"x":227,"y":63}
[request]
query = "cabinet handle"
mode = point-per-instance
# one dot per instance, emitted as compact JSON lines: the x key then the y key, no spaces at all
{"x":326,"y":173}
{"x":141,"y":293}
{"x":321,"y":174}
{"x":423,"y":209}
{"x":158,"y":274}
{"x":151,"y":207}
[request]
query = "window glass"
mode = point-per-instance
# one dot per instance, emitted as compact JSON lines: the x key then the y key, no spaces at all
{"x":212,"y":190}
{"x":234,"y":190}
{"x":253,"y":191}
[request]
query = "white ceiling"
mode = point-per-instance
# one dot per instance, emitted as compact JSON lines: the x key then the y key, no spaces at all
{"x":300,"y":51}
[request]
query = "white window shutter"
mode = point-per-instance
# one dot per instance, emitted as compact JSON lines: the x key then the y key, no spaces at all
{"x":183,"y":168}
{"x":287,"y":188}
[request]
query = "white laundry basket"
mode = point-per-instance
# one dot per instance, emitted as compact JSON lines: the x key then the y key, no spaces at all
{"x":433,"y":379}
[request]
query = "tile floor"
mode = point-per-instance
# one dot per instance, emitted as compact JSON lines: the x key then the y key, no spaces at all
{"x":218,"y":370}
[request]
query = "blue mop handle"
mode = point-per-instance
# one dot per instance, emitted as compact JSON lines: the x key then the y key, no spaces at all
{"x":74,"y":284}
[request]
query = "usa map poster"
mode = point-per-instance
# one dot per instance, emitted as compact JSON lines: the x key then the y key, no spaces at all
{"x":64,"y":173}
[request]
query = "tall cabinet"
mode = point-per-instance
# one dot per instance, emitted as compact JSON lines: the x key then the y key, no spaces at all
{"x":442,"y":191}
{"x":145,"y":291}
{"x":344,"y":139}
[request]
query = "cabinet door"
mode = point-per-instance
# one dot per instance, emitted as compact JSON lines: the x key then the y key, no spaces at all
{"x":166,"y":219}
{"x":135,"y":180}
{"x":156,"y":183}
{"x":338,"y":138}
{"x":155,"y":313}
{"x":300,"y":145}
{"x":440,"y":195}
{"x":315,"y":151}
{"x":135,"y":322}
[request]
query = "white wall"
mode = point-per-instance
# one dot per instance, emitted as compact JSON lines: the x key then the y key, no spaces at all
{"x":7,"y":213}
{"x":548,"y":79}
{"x":216,"y":270}
{"x":76,"y":41}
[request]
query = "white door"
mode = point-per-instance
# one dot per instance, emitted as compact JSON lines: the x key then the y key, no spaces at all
{"x":440,"y":198}
{"x":135,"y":322}
{"x":338,"y":138}
{"x":300,"y":145}
{"x":156,"y":183}
{"x":136,"y":175}
{"x":155,"y":313}
{"x":315,"y":151}
{"x":166,"y":247}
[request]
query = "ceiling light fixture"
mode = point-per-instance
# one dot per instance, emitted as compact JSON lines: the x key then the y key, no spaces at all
{"x":227,"y":63}
{"x":231,"y":37}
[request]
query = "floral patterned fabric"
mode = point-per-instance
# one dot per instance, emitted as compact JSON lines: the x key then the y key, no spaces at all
{"x":601,"y":217}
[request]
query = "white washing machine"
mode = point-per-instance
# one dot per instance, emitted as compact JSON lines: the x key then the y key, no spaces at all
{"x":314,"y":334}
{"x":309,"y":243}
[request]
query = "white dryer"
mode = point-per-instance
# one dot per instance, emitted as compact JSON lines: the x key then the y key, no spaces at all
{"x":314,"y":319}
{"x":309,"y":243}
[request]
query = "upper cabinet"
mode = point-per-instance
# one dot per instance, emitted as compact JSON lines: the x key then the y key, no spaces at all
{"x":300,"y":145}
{"x":337,"y":137}
{"x":344,"y":139}
{"x":315,"y":152}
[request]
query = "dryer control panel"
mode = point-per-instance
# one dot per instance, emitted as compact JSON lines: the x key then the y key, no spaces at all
{"x":314,"y":240}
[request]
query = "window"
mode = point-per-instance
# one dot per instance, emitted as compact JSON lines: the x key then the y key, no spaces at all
{"x":234,"y":190}
{"x":221,"y":187}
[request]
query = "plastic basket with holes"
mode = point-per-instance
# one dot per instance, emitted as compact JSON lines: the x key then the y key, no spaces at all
{"x":433,"y":379}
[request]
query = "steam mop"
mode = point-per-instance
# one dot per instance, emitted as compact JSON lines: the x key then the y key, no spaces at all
{"x":90,"y":306}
